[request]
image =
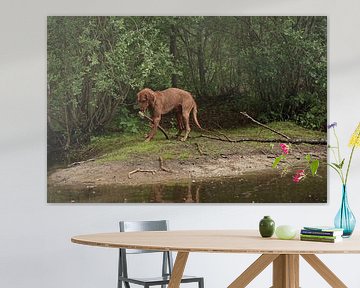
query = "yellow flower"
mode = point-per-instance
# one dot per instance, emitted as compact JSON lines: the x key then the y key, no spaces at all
{"x":355,"y":138}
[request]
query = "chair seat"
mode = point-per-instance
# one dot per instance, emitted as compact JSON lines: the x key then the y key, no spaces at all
{"x":158,"y":280}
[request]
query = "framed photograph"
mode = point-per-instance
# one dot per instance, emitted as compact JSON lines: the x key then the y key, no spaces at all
{"x":225,"y":109}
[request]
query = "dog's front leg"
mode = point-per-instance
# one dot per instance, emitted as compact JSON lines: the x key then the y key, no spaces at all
{"x":156,"y":121}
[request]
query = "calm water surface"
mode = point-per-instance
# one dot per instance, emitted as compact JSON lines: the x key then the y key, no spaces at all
{"x":261,"y":187}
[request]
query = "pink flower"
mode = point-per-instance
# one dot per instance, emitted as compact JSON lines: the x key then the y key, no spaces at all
{"x":299,"y":175}
{"x":284,"y":148}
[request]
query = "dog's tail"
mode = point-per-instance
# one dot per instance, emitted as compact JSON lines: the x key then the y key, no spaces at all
{"x":194,"y":111}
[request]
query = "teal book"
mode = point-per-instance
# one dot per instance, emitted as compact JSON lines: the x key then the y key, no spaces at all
{"x":322,"y":230}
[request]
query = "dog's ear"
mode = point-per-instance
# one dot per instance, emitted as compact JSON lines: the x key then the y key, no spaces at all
{"x":150,"y":96}
{"x":138,"y":96}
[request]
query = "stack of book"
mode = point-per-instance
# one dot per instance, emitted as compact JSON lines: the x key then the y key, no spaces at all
{"x":321,"y":234}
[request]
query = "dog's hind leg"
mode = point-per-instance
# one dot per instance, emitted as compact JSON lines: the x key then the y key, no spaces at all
{"x":180,"y":122}
{"x":186,"y":116}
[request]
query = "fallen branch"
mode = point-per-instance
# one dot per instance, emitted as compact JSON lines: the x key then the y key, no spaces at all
{"x":292,"y":141}
{"x":263,"y":125}
{"x":200,"y":150}
{"x":224,"y":135}
{"x":140,"y":170}
{"x":161,"y":163}
{"x":142,"y":115}
{"x":80,"y":162}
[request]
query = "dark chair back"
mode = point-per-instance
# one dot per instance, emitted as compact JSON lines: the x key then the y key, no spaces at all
{"x":133,"y":226}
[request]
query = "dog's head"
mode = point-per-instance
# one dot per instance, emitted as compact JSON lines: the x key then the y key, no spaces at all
{"x":146,"y":98}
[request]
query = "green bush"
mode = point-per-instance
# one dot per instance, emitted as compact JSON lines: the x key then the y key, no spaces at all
{"x":126,"y":121}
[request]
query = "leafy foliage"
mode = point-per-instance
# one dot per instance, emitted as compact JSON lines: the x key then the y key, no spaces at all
{"x":93,"y":65}
{"x":272,"y":67}
{"x":126,"y":122}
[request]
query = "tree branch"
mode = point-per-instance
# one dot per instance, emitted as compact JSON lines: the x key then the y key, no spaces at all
{"x":140,"y":170}
{"x":198,"y":147}
{"x":161,"y":163}
{"x":142,"y":115}
{"x":262,"y":125}
{"x":292,"y":141}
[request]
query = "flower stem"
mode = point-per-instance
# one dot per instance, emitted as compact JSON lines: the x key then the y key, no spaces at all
{"x":338,"y":146}
{"x":339,"y":159}
{"x":351,"y":155}
{"x":348,"y":167}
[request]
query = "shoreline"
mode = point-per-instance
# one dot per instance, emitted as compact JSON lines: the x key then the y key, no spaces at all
{"x":95,"y":173}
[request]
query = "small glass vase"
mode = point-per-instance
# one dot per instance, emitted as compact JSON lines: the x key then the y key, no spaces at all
{"x":266,"y":227}
{"x":345,"y":219}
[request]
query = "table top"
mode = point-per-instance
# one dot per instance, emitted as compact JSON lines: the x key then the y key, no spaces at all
{"x":217,"y":241}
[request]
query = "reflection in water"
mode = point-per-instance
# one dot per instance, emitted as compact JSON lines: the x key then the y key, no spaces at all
{"x":262,"y":187}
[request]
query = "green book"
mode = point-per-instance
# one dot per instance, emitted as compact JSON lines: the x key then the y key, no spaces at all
{"x":319,"y":236}
{"x":325,"y":240}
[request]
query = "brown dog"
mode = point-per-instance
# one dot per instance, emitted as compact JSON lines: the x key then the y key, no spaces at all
{"x":162,"y":102}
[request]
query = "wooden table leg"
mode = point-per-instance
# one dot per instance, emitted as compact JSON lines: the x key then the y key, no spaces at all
{"x":253,"y":270}
{"x":178,"y":270}
{"x":324,"y":271}
{"x":286,"y":271}
{"x":293,"y":264}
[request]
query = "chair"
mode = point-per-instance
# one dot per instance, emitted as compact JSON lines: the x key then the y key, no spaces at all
{"x":167,"y":262}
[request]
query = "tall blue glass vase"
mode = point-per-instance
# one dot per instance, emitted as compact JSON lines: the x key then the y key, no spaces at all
{"x":345,"y":219}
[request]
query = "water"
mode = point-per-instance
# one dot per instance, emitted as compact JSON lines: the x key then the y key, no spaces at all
{"x":262,"y":187}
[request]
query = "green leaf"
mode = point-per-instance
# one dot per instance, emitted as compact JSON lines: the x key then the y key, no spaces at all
{"x":342,"y":163}
{"x":337,"y":171}
{"x":308,"y":157}
{"x":314,"y":167}
{"x":334,"y":167}
{"x":339,"y":166}
{"x":277,"y":161}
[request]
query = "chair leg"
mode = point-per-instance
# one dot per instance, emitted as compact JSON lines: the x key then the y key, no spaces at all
{"x":201,"y":283}
{"x":126,"y":284}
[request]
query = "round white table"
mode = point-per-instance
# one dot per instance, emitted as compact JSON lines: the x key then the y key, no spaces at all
{"x":284,"y":254}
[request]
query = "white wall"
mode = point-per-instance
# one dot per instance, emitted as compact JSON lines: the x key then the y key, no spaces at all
{"x":35,"y":248}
